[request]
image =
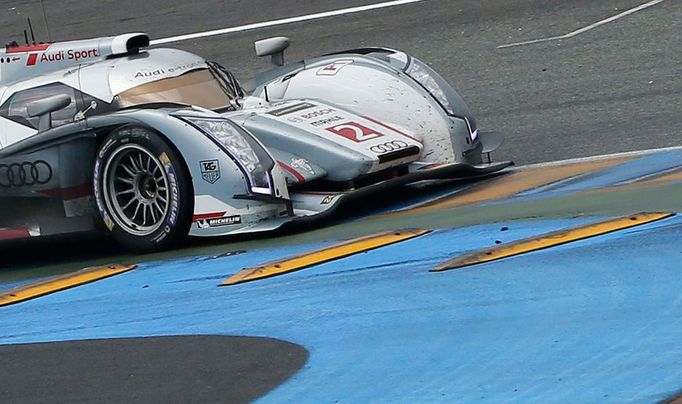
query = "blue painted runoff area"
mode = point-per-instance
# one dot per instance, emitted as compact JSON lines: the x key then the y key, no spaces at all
{"x":598,"y":320}
{"x":624,"y":173}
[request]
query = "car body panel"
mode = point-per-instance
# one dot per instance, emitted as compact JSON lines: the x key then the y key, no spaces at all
{"x":333,"y":128}
{"x":344,"y":144}
{"x":387,"y":92}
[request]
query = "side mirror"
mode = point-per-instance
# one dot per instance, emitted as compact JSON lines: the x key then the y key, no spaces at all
{"x":274,"y":47}
{"x":45,"y":107}
{"x":491,"y":141}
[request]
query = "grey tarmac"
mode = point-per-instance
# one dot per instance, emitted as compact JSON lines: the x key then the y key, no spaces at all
{"x":196,"y":369}
{"x":615,"y":88}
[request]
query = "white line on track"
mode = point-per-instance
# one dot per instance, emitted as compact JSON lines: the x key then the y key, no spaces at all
{"x":272,"y":23}
{"x":585,"y":29}
{"x":387,"y":4}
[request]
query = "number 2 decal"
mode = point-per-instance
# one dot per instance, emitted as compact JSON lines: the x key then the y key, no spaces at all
{"x":355,"y":132}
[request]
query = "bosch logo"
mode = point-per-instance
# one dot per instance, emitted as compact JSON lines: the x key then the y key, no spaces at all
{"x":388,"y":147}
{"x":25,"y":174}
{"x":318,"y":113}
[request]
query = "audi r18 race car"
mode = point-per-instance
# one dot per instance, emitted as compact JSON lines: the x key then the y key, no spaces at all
{"x":153,"y":145}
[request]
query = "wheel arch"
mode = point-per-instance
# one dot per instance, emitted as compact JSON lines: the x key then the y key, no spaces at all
{"x":103,"y":132}
{"x":150,"y":149}
{"x":192,"y":147}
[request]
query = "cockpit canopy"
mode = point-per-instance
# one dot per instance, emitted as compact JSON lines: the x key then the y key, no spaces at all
{"x":210,"y":88}
{"x":157,"y":77}
{"x":161,"y":76}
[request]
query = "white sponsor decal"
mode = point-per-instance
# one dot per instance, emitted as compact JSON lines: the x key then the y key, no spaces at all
{"x":302,"y":164}
{"x":326,"y":121}
{"x":387,"y":147}
{"x":327,"y":199}
{"x":219,"y":221}
{"x":175,"y":194}
{"x":210,"y":171}
{"x":318,"y":113}
{"x":170,"y":70}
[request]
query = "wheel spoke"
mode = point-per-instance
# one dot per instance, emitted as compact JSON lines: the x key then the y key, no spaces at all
{"x":133,"y":163}
{"x":139,"y":157}
{"x":128,"y":170}
{"x":151,"y":211}
{"x":156,"y":205}
{"x":139,"y":190}
{"x":137,"y":208}
{"x":130,"y":202}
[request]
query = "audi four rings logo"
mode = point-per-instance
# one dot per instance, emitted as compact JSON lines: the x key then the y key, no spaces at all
{"x":25,"y":174}
{"x":388,"y":147}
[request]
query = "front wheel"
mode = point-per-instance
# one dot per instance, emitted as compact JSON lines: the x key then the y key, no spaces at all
{"x":142,"y":189}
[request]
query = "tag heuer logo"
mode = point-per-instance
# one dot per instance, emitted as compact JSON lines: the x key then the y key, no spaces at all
{"x":210,"y":171}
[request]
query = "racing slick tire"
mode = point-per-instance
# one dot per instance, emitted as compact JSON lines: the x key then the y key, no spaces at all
{"x":142,"y":189}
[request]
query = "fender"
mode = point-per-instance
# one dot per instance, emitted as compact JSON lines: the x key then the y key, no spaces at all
{"x":386,"y":94}
{"x":220,"y":187}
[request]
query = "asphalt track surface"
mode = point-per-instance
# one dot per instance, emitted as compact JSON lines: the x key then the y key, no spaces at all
{"x":612,"y":303}
{"x":611,"y":89}
{"x":201,"y":369}
{"x":614,"y":88}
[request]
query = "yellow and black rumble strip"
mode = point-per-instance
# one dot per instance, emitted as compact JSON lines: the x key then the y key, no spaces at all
{"x":550,"y":240}
{"x":322,"y":255}
{"x":61,"y":282}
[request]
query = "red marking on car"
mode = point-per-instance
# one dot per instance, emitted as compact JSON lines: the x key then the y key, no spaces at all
{"x":32,"y":59}
{"x":204,"y":216}
{"x":292,"y":171}
{"x":355,"y":132}
{"x":9,"y":234}
{"x":27,"y":48}
{"x":332,"y":69}
{"x":385,"y":125}
{"x":14,"y":59}
{"x":70,"y":193}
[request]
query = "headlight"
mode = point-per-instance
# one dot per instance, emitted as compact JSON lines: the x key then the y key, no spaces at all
{"x":249,"y":154}
{"x":451,"y":102}
{"x":232,"y":139}
{"x":423,"y":75}
{"x":439,"y":89}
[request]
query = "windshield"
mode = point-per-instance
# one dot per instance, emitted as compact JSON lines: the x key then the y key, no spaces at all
{"x":210,"y":88}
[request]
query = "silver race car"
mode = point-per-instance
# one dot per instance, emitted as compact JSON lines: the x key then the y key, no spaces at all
{"x":154,"y":145}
